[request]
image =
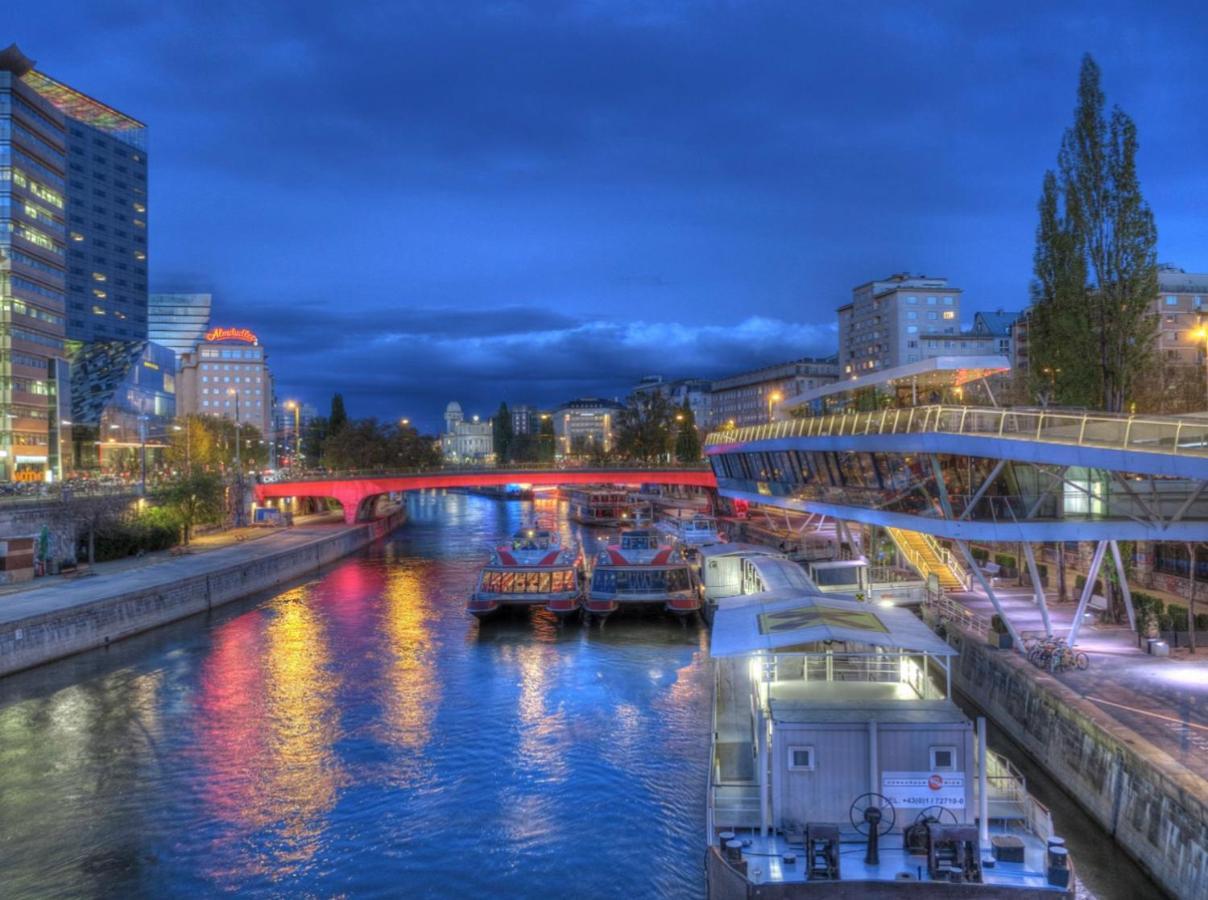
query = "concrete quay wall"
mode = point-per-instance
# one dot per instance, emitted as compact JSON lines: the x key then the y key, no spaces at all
{"x":1156,"y":809}
{"x":119,"y":613}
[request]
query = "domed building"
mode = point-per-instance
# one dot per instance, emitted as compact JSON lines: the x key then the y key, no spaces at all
{"x":466,"y":441}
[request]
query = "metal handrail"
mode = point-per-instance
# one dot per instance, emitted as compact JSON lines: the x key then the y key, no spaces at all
{"x":1152,"y":434}
{"x":479,"y":469}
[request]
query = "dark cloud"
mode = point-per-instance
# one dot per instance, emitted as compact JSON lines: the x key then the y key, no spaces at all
{"x":395,"y":194}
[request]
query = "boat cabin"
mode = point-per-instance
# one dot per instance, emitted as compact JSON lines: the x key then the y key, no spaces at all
{"x":839,"y":757}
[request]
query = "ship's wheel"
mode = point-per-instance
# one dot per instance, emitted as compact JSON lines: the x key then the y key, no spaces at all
{"x":935,"y":814}
{"x":873,"y":816}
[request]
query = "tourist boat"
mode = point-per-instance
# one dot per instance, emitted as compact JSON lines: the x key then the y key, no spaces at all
{"x":641,"y":572}
{"x":841,"y":768}
{"x":594,"y":505}
{"x":691,"y":530}
{"x":534,"y":569}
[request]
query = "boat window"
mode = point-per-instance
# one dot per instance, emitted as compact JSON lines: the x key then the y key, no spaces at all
{"x":943,"y":759}
{"x":801,"y":758}
{"x":634,"y":581}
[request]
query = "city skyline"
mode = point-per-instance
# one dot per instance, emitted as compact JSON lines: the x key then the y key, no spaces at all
{"x":453,"y":207}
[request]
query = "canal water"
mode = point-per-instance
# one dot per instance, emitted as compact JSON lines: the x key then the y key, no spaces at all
{"x":359,"y":734}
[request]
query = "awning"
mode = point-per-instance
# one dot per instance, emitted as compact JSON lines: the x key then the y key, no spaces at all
{"x":774,"y":621}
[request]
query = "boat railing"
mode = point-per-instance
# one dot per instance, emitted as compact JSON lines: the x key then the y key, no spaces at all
{"x":1007,"y":790}
{"x":940,"y":608}
{"x":905,"y":668}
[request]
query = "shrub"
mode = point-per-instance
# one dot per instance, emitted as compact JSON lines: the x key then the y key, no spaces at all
{"x":1177,"y":616}
{"x":122,"y":539}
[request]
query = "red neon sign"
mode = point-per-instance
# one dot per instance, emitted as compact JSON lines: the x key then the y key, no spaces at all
{"x":232,"y":334}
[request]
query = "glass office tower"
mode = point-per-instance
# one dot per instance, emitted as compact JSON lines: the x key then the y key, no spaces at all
{"x":179,"y":321}
{"x":106,"y":215}
{"x":33,"y":162}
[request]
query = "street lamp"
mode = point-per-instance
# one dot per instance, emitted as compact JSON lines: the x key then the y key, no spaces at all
{"x":773,"y":398}
{"x":404,"y":422}
{"x":1201,"y":334}
{"x":294,"y":405}
{"x":238,"y":463}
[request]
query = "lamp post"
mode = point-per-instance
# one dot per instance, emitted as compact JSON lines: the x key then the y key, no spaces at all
{"x":1201,"y":333}
{"x":297,"y":408}
{"x":238,"y":463}
{"x":773,"y":398}
{"x":142,"y":455}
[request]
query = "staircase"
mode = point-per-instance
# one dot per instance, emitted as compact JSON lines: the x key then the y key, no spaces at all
{"x":927,"y":557}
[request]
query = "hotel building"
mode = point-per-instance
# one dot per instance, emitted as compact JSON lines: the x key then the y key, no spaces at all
{"x":227,"y":375}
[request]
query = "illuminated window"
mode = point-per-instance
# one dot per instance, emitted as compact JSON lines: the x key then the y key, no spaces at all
{"x":76,"y":236}
{"x":138,"y":207}
{"x":949,"y":314}
{"x":98,"y":293}
{"x":931,"y":301}
{"x":140,"y":255}
{"x":99,"y":276}
{"x":98,"y":311}
{"x":1172,"y":301}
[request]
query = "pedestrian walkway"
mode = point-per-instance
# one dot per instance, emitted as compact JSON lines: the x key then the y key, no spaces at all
{"x":1163,"y":699}
{"x":204,"y":543}
{"x":54,"y":593}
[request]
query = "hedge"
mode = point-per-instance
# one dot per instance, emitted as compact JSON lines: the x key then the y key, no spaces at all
{"x":120,"y":540}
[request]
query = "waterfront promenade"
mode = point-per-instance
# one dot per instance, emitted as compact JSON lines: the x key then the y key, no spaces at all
{"x":1162,"y":699}
{"x":68,"y":616}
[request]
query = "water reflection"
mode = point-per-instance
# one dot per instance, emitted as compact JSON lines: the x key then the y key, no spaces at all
{"x":412,"y":690}
{"x":266,"y":733}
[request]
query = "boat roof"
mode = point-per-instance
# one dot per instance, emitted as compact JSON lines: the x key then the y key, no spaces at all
{"x":781,"y":574}
{"x":778,"y":620}
{"x":738,"y":549}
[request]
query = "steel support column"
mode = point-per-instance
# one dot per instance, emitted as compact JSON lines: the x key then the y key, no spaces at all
{"x":1038,"y":588}
{"x":1128,"y":604}
{"x":1087,"y":590}
{"x":977,"y":573}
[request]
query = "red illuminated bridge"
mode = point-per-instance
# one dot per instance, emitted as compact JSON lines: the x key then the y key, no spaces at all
{"x":357,"y":493}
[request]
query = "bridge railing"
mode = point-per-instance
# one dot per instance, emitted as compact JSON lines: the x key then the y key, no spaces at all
{"x":1184,"y":435}
{"x":479,"y":469}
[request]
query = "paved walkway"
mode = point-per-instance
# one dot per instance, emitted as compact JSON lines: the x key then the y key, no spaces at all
{"x":53,"y":593}
{"x":1163,"y":699}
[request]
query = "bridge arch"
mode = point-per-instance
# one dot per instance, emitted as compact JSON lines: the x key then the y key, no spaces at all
{"x":354,"y":492}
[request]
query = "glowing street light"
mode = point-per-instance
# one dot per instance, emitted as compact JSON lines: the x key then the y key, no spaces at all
{"x":773,"y":398}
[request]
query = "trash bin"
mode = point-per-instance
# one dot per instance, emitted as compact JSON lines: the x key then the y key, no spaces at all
{"x":1158,"y":648}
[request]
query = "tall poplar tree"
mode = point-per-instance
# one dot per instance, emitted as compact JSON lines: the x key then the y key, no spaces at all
{"x":1095,"y":263}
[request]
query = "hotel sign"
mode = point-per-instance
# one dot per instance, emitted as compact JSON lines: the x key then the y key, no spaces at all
{"x":232,"y":334}
{"x":917,"y":790}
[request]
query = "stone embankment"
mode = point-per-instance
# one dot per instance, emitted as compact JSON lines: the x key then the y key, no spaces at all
{"x":45,"y":624}
{"x":1155,"y":808}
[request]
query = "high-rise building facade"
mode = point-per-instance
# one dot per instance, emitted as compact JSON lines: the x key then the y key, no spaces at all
{"x":34,"y":381}
{"x":883,"y":325}
{"x":178,"y":321}
{"x":584,"y":425}
{"x":227,"y":375}
{"x":106,"y":215}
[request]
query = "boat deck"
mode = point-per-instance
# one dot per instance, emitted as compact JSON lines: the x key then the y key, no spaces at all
{"x":765,"y":861}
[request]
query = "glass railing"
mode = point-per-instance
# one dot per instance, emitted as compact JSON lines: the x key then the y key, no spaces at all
{"x":1153,"y":434}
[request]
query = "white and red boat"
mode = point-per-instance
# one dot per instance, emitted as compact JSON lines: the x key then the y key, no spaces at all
{"x":641,"y":572}
{"x":534,"y":569}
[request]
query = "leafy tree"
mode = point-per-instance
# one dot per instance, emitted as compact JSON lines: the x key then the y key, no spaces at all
{"x":195,"y":499}
{"x":191,"y":444}
{"x":313,"y":436}
{"x":501,"y":434}
{"x":525,"y":448}
{"x":369,"y":444}
{"x":644,"y":426}
{"x":1095,"y":262}
{"x":687,"y":438}
{"x":339,"y":417}
{"x":547,"y":440}
{"x":207,"y":443}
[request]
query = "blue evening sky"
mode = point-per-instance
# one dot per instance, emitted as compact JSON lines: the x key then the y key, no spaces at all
{"x":416,"y":202}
